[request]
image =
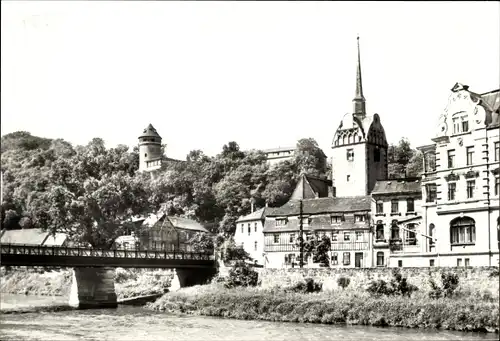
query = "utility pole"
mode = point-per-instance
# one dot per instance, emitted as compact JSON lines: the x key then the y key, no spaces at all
{"x":301,"y":235}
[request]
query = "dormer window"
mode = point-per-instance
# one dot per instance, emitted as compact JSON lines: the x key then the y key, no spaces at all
{"x":359,"y":218}
{"x":337,"y":219}
{"x":281,"y":221}
{"x":306,"y":221}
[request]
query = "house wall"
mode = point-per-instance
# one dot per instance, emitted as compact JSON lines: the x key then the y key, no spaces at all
{"x":249,"y":240}
{"x":355,"y":169}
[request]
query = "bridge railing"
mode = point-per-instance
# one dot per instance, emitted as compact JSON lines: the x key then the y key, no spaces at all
{"x":39,"y":250}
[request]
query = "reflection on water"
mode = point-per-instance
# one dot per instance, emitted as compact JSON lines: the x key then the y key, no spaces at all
{"x":134,"y":323}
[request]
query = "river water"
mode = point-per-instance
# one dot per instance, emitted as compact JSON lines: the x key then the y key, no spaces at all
{"x":135,"y":323}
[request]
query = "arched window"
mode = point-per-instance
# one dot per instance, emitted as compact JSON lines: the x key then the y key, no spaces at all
{"x":255,"y":246}
{"x":380,"y":231}
{"x":344,"y":139}
{"x":431,"y":233}
{"x":462,"y":231}
{"x":380,"y":258}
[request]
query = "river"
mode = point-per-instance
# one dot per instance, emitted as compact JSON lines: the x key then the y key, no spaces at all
{"x":135,"y":323}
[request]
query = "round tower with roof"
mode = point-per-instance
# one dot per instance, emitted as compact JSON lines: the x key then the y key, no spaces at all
{"x":150,"y":155}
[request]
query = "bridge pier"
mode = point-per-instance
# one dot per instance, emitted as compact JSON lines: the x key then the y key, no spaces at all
{"x":189,"y":277}
{"x":93,"y":288}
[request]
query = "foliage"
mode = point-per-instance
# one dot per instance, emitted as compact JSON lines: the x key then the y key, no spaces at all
{"x":397,"y":286}
{"x":202,"y":242}
{"x":403,"y":161}
{"x":317,"y":246}
{"x":241,"y":275}
{"x":308,"y":285}
{"x":343,"y":282}
{"x":449,"y":283}
{"x":339,"y":307}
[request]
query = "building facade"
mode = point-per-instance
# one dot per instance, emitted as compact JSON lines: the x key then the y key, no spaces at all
{"x":280,"y":154}
{"x":249,"y":234}
{"x":461,"y":182}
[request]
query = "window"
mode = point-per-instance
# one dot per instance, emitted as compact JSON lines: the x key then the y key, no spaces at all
{"x":280,"y":222}
{"x":249,"y":229}
{"x":359,"y":218}
{"x":380,"y":231}
{"x":276,"y":237}
{"x":462,"y":231}
{"x":335,"y":258}
{"x":470,"y":188}
{"x":335,"y":236}
{"x":359,"y":236}
{"x":347,"y":258}
{"x":146,"y":155}
{"x":452,"y":188}
{"x":470,"y":153}
{"x":410,"y":236}
{"x":467,"y":262}
{"x":255,"y":227}
{"x":380,"y":258}
{"x":410,"y":205}
{"x":306,"y":221}
{"x":255,"y":246}
{"x":497,"y":185}
{"x":456,"y":125}
{"x":394,"y":230}
{"x":465,"y":126}
{"x":348,"y":178}
{"x":400,"y":263}
{"x":459,"y":261}
{"x":337,"y":219}
{"x":451,"y":158}
{"x":292,"y":237}
{"x":431,"y":262}
{"x":497,"y":151}
{"x":347,"y":236}
{"x":380,"y":207}
{"x":376,"y":155}
{"x":431,"y":191}
{"x":350,"y":154}
{"x":394,"y":206}
{"x":242,"y":229}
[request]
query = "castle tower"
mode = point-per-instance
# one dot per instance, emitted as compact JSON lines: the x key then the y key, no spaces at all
{"x":150,"y":154}
{"x":359,"y":156}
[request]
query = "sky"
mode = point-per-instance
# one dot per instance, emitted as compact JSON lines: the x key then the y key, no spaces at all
{"x":263,"y":74}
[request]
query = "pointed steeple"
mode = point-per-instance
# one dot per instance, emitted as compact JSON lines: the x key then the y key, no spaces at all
{"x":359,"y":99}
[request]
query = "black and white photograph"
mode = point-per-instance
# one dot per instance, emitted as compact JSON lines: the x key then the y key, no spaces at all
{"x":250,"y":170}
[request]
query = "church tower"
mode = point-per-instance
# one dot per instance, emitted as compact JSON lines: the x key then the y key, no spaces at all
{"x":359,"y":146}
{"x":150,"y":154}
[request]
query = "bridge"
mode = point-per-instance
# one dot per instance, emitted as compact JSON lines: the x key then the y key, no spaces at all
{"x":93,"y":269}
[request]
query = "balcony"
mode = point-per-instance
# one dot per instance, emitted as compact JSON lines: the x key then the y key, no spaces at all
{"x":349,"y":246}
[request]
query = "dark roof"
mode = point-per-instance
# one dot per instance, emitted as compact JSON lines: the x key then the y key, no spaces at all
{"x":150,"y":131}
{"x":279,"y":149}
{"x":491,"y":102}
{"x":318,"y":184}
{"x":323,"y":205}
{"x":397,"y":186}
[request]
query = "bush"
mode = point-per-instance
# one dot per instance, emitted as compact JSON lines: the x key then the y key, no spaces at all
{"x":306,"y":286}
{"x":242,"y":275}
{"x":494,"y":273}
{"x":449,"y":283}
{"x":380,"y":287}
{"x":397,"y":286}
{"x":343,"y":282}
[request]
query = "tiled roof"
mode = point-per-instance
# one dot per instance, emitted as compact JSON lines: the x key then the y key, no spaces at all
{"x":324,"y":205}
{"x":187,"y":224}
{"x":279,"y":149}
{"x":150,"y":131}
{"x":397,"y":186}
{"x":491,"y":102}
{"x":256,"y":215}
{"x":30,"y":237}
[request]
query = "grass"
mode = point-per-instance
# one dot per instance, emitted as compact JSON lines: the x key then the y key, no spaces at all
{"x":334,"y":307}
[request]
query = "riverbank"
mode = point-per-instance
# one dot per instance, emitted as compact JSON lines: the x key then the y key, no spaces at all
{"x":57,"y":282}
{"x":468,"y":313}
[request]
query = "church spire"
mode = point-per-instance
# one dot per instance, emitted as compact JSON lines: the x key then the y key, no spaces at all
{"x":359,"y":99}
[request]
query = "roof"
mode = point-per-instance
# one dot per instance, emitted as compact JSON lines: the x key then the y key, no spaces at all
{"x":397,"y":186}
{"x":256,"y":215}
{"x":279,"y":149}
{"x":187,"y":224}
{"x":150,"y":131}
{"x":323,"y":205}
{"x":31,"y":237}
{"x":491,"y":102}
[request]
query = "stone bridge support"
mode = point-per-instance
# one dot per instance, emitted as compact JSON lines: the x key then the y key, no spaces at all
{"x":93,"y":288}
{"x":189,"y":277}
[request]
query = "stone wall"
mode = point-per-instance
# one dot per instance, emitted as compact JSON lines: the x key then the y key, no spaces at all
{"x":477,"y":277}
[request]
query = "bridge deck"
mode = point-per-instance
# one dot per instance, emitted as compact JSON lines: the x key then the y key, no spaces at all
{"x":28,"y":255}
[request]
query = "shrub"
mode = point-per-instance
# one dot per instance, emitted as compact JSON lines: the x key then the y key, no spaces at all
{"x":398,"y":286}
{"x":494,"y":273}
{"x":380,"y":287}
{"x":241,"y":275}
{"x":308,"y":285}
{"x":343,"y":282}
{"x":449,"y":283}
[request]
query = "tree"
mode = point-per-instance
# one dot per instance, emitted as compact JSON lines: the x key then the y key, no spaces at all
{"x":316,"y":246}
{"x":403,"y":161}
{"x":309,"y":158}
